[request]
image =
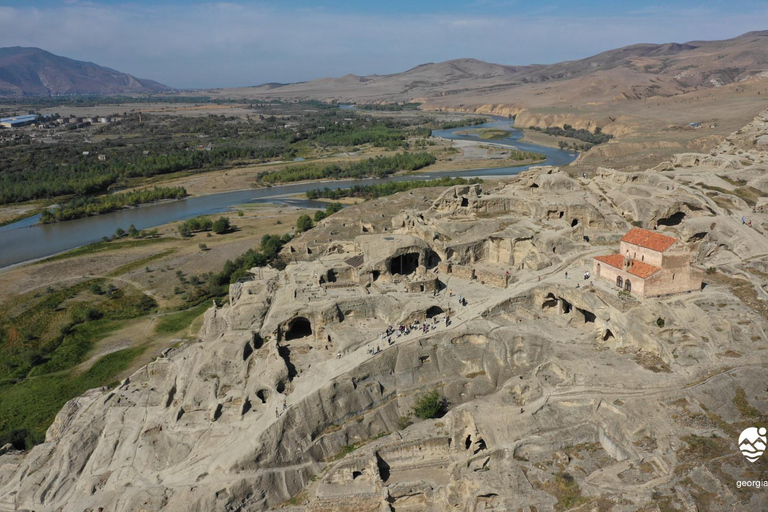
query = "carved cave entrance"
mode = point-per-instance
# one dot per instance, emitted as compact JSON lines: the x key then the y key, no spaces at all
{"x":297,"y":328}
{"x":404,"y":264}
{"x":434,"y":311}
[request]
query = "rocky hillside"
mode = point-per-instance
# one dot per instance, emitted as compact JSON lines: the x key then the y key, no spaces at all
{"x":632,"y":72}
{"x":560,"y":393}
{"x":36,"y":72}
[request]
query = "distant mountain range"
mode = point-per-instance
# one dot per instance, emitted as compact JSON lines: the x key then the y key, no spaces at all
{"x":629,"y":73}
{"x":633,"y":72}
{"x":36,"y":72}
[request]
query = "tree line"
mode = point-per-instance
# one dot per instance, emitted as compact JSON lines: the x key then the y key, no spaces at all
{"x":159,"y":145}
{"x":472,"y":121}
{"x":598,"y":137}
{"x":386,"y":189}
{"x":88,"y":206}
{"x":197,"y":224}
{"x":390,"y":107}
{"x":519,"y":155}
{"x":380,"y":166}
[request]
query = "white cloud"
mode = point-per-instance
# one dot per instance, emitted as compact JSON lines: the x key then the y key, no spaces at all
{"x":231,"y":44}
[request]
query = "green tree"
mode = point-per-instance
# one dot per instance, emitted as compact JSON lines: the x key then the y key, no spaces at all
{"x":319,"y":215}
{"x":333,"y":208}
{"x":270,"y":245}
{"x":221,"y":226}
{"x":303,"y":223}
{"x":185,"y":231}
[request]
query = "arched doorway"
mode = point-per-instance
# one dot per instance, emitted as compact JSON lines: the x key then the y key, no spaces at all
{"x":628,"y":285}
{"x":434,"y":311}
{"x":619,"y":281}
{"x":299,"y":327}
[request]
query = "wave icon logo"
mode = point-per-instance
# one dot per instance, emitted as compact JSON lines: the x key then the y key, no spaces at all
{"x":752,"y":443}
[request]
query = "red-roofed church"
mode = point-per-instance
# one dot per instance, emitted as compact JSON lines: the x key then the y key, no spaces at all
{"x":649,"y":264}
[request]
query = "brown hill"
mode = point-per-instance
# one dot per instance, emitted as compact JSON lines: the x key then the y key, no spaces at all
{"x":633,"y":72}
{"x":36,"y":72}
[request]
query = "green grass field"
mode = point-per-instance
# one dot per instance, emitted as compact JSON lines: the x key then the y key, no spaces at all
{"x":28,"y":408}
{"x":43,"y":339}
{"x":175,"y":322}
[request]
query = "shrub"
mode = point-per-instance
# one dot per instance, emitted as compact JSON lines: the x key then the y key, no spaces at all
{"x":319,"y":215}
{"x":184,"y":231}
{"x":203,"y":247}
{"x":660,"y":322}
{"x":431,"y":405}
{"x":303,"y":223}
{"x":221,"y":226}
{"x":333,"y":208}
{"x":113,"y":292}
{"x":711,"y":270}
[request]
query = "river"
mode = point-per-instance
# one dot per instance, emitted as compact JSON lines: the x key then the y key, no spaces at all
{"x":27,"y":240}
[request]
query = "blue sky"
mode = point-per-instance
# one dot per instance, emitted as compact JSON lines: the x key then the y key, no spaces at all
{"x":238,"y":43}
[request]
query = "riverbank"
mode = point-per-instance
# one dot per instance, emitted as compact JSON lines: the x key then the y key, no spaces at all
{"x":145,"y":289}
{"x":10,"y":214}
{"x":219,"y":190}
{"x":542,"y":139}
{"x":91,"y":206}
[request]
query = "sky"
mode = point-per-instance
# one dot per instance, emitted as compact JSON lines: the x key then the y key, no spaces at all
{"x":203,"y":44}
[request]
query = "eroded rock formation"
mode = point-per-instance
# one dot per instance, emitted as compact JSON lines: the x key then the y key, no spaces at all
{"x":561,"y":392}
